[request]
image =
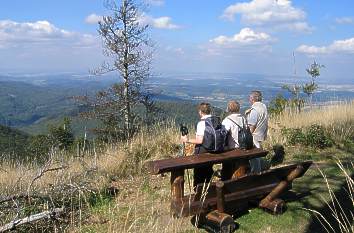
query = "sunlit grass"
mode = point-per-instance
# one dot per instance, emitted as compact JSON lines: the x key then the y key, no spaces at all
{"x":142,"y":202}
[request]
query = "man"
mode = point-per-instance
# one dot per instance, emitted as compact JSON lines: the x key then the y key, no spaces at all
{"x":202,"y":174}
{"x":257,"y":118}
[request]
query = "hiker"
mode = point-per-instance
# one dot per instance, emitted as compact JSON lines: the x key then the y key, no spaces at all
{"x":257,"y":118}
{"x":201,"y":174}
{"x":232,"y":123}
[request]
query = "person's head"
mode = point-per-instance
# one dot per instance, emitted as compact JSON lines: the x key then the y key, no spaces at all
{"x":204,"y":109}
{"x":233,"y":106}
{"x":255,"y":96}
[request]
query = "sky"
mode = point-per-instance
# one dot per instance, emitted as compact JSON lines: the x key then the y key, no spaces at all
{"x":274,"y":37}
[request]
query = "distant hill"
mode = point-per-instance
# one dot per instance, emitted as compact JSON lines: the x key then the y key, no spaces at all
{"x":31,"y":102}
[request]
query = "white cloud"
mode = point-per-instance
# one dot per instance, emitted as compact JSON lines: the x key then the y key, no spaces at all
{"x":278,"y":13}
{"x":338,"y":46}
{"x":40,"y":45}
{"x":244,"y":37}
{"x":93,"y":19}
{"x":40,"y":32}
{"x":164,"y":22}
{"x":345,"y":20}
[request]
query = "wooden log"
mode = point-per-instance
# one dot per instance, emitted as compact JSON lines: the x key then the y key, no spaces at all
{"x":187,"y":162}
{"x":267,"y":202}
{"x":220,"y":222}
{"x":177,"y":185}
{"x":277,"y":206}
{"x":220,"y":197}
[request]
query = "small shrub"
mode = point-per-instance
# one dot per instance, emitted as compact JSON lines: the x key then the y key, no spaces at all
{"x":317,"y":138}
{"x":294,"y":136}
{"x":314,"y":136}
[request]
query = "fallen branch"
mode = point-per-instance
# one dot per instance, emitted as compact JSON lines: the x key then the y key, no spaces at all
{"x":46,"y":214}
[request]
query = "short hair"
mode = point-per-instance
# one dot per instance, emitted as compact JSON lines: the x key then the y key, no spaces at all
{"x":256,"y":95}
{"x":205,"y":108}
{"x":233,"y":106}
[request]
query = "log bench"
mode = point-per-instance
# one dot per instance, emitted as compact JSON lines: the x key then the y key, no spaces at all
{"x":214,"y":203}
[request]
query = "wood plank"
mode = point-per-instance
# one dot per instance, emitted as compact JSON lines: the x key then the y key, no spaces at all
{"x":186,"y":162}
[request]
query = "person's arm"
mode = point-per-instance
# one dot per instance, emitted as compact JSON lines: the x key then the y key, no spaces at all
{"x":197,"y":140}
{"x":252,"y":120}
{"x":199,"y":135}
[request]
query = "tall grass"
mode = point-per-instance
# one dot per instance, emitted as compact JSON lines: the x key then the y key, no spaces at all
{"x":71,"y":180}
{"x":338,"y":120}
{"x":340,"y":217}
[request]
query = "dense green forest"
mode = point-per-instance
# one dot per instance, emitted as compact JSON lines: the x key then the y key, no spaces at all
{"x":35,"y":140}
{"x":12,"y":141}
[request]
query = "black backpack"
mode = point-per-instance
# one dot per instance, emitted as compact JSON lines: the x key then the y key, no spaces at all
{"x":245,"y":138}
{"x":215,"y":135}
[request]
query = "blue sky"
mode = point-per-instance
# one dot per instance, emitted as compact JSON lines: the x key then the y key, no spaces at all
{"x":246,"y":36}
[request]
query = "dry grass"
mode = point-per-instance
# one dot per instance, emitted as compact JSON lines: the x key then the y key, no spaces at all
{"x":72,"y":179}
{"x":142,"y":203}
{"x":337,"y":119}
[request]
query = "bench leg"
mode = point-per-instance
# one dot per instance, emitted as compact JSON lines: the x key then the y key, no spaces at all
{"x":271,"y":202}
{"x":177,"y":189}
{"x":221,"y":222}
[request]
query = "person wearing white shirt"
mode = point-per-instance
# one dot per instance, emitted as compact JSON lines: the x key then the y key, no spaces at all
{"x":257,"y":118}
{"x":232,"y":123}
{"x":201,"y":174}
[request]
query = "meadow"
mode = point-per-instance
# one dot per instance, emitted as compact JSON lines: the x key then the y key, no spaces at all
{"x":107,"y":189}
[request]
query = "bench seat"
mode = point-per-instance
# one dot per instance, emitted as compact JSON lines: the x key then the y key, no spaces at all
{"x":187,"y":162}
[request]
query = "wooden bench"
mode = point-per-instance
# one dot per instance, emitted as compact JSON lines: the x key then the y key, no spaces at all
{"x":215,"y":202}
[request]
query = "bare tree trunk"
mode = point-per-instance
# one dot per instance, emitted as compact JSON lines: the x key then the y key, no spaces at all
{"x":127,"y":115}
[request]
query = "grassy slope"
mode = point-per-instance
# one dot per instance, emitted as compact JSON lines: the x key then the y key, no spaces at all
{"x":143,"y":206}
{"x":142,"y":203}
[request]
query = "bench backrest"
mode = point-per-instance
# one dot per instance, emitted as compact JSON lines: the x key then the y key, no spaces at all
{"x":186,"y":162}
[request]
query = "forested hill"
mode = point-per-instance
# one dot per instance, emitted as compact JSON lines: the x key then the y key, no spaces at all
{"x":12,"y":140}
{"x":32,"y":107}
{"x":23,"y":104}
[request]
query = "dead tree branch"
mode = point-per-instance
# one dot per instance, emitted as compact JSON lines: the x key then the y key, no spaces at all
{"x":51,"y":214}
{"x":42,"y":171}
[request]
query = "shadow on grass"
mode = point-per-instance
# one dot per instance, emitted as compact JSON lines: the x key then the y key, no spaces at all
{"x":310,"y":191}
{"x":345,"y":207}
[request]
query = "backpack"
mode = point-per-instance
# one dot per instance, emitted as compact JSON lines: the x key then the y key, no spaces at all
{"x":245,"y":138}
{"x":215,"y":135}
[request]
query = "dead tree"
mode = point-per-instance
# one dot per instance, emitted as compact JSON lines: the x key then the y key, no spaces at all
{"x":126,"y":43}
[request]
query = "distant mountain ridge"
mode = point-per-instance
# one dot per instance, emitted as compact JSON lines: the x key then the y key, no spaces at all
{"x":37,"y":100}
